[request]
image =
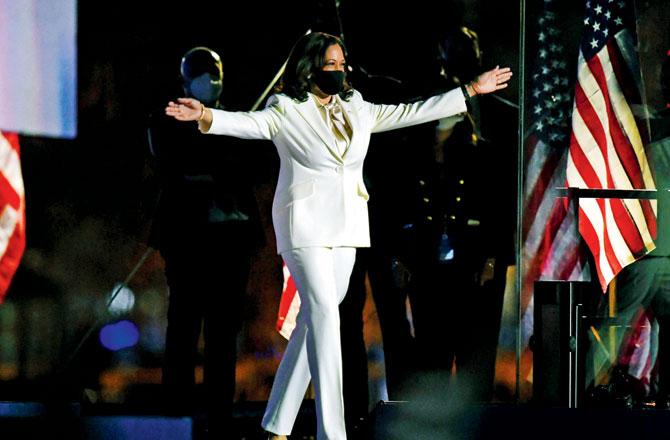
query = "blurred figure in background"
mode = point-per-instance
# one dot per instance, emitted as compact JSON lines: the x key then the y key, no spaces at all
{"x":457,"y":282}
{"x":206,"y":228}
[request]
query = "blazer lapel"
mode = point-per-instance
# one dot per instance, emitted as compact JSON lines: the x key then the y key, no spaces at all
{"x":309,"y":111}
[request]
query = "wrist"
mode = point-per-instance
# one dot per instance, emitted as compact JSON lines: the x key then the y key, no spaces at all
{"x":474,"y":88}
{"x":202,"y":112}
{"x":467,"y":93}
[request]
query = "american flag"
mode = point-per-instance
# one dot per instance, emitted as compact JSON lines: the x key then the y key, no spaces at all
{"x":551,"y":245}
{"x":12,"y":210}
{"x":289,"y":305}
{"x":608,"y":138}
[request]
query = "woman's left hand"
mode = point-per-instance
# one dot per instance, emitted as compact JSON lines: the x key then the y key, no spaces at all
{"x":492,"y":80}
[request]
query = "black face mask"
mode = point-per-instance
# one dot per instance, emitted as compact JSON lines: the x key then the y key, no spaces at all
{"x":330,"y":82}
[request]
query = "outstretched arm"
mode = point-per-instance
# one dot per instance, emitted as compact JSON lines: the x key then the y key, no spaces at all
{"x":189,"y":109}
{"x":390,"y":117}
{"x":263,"y":124}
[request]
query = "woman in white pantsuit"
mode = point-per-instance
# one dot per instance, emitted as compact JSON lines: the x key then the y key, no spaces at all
{"x":321,"y":128}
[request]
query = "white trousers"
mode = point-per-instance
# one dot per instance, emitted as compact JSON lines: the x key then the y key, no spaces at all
{"x":321,"y":276}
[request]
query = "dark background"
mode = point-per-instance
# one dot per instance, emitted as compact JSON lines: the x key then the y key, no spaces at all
{"x":90,"y":200}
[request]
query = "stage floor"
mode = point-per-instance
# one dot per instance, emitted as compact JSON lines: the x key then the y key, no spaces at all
{"x":388,"y":421}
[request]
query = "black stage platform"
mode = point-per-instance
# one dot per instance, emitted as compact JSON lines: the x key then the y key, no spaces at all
{"x":388,"y":421}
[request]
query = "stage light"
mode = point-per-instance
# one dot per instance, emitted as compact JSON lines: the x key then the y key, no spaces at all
{"x":123,"y":302}
{"x":38,"y":67}
{"x":119,"y":335}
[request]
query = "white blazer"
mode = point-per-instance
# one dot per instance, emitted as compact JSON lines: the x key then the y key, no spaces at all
{"x":320,"y":199}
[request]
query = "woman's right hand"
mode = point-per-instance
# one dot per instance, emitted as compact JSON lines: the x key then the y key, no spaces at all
{"x":185,"y":109}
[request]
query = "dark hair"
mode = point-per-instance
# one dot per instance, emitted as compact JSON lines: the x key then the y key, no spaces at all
{"x":459,"y":55}
{"x":307,"y":57}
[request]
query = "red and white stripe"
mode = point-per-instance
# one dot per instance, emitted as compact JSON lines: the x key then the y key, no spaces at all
{"x":551,"y":245}
{"x":12,"y":210}
{"x":607,"y":151}
{"x":289,"y":305}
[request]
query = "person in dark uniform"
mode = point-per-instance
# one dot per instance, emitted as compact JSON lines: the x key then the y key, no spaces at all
{"x":463,"y":238}
{"x":206,"y":228}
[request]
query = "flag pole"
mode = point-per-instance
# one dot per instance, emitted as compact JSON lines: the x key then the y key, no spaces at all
{"x":520,"y":176}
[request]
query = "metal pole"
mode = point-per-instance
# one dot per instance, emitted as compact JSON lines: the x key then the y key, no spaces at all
{"x":280,"y":72}
{"x":520,"y":178}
